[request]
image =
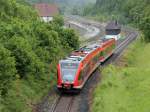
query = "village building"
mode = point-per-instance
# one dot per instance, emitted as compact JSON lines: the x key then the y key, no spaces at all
{"x":46,"y":11}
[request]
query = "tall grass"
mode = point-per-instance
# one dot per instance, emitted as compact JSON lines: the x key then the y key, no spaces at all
{"x":126,"y":89}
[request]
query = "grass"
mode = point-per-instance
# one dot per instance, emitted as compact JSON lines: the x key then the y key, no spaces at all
{"x":126,"y":88}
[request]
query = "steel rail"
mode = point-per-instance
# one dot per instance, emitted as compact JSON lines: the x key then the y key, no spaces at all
{"x":68,"y":107}
{"x":70,"y":104}
{"x":129,"y":39}
{"x":55,"y":104}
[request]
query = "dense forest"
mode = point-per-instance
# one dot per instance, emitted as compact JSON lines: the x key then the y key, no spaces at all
{"x":73,"y":6}
{"x":71,"y":2}
{"x":136,"y":12}
{"x":29,"y":51}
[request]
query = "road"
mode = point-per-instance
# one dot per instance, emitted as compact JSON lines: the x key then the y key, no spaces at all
{"x":88,"y":30}
{"x":81,"y":102}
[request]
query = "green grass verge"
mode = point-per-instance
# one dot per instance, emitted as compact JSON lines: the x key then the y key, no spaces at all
{"x":126,"y":88}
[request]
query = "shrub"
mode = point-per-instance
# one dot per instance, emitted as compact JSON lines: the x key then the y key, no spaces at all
{"x":7,"y":70}
{"x":27,"y":63}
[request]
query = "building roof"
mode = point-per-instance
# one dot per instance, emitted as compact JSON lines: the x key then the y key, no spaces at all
{"x":113,"y":25}
{"x":45,"y":9}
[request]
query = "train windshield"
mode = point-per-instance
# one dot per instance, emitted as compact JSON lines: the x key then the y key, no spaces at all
{"x":68,"y":71}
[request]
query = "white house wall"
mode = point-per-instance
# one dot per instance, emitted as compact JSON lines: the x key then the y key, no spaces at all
{"x":47,"y":19}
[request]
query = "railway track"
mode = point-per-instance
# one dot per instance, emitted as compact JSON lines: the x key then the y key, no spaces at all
{"x":63,"y":104}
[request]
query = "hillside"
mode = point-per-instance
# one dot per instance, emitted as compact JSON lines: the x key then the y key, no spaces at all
{"x":71,"y":4}
{"x":125,"y":86}
{"x":28,"y":49}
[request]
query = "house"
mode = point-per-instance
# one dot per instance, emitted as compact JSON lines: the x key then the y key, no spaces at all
{"x":113,"y":30}
{"x":46,"y":11}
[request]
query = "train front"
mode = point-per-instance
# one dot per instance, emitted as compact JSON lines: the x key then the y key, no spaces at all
{"x":67,"y":73}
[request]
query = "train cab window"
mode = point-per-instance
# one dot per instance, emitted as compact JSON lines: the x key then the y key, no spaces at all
{"x":68,"y":71}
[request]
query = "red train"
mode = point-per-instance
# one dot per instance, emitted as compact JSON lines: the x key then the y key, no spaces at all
{"x":74,"y":70}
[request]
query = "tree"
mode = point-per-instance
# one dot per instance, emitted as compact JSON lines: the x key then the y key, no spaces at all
{"x":70,"y":38}
{"x":75,"y":11}
{"x":58,"y":20}
{"x":29,"y":54}
{"x":27,"y":63}
{"x":145,"y":24}
{"x":7,"y":70}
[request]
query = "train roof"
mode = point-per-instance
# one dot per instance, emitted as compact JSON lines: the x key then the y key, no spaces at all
{"x":80,"y":54}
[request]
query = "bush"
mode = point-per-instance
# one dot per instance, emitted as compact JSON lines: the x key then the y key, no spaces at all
{"x":7,"y":70}
{"x":58,"y":20}
{"x":29,"y":55}
{"x":27,"y":63}
{"x":70,"y":38}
